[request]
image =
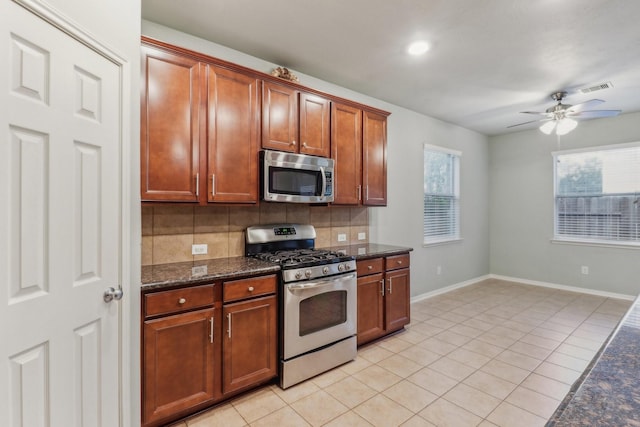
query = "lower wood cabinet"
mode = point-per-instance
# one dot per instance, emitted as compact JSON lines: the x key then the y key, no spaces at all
{"x":249,"y":344}
{"x":383,"y":296}
{"x":202,"y":344}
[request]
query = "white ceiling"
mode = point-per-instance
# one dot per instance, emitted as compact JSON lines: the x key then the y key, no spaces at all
{"x":489,"y":59}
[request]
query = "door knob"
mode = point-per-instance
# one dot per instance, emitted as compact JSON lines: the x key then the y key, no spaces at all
{"x":111,"y":294}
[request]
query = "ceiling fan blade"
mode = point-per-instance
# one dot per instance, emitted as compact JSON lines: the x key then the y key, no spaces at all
{"x":587,"y":105}
{"x":540,"y":113}
{"x":526,"y":123}
{"x":594,"y":114}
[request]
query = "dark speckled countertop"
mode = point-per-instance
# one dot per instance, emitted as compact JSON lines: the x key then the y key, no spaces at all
{"x":185,"y":273}
{"x":608,"y":392}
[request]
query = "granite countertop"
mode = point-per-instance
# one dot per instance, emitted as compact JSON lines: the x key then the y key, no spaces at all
{"x":182,"y":273}
{"x":608,"y":392}
{"x":370,"y":250}
{"x":185,"y":273}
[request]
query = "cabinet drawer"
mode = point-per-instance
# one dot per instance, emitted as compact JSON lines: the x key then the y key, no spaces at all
{"x":246,"y":288}
{"x":397,"y":261}
{"x":178,"y":300}
{"x":370,"y":266}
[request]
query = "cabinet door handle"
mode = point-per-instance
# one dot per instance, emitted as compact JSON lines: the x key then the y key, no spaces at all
{"x":382,"y":287}
{"x":366,"y":193}
{"x":182,"y":300}
{"x":229,"y":324}
{"x":211,"y":330}
{"x":213,"y":185}
{"x":359,"y":190}
{"x":390,"y":286}
{"x":304,"y":145}
{"x":250,"y":289}
{"x":293,"y":143}
{"x":197,"y":185}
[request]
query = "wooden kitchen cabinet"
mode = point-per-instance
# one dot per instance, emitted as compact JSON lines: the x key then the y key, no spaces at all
{"x":358,"y":147}
{"x":295,"y":121}
{"x":200,"y":129}
{"x":170,"y":126}
{"x":250,"y":342}
{"x":181,"y":361}
{"x":346,"y":151}
{"x":383,"y":296}
{"x":233,"y":136}
{"x":374,"y":159}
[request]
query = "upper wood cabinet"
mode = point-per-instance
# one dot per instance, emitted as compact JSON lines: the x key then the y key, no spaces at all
{"x":170,"y":126}
{"x":359,"y":146}
{"x":295,"y":121}
{"x":200,"y":130}
{"x":233,"y":132}
{"x":374,"y":159}
{"x":346,"y":151}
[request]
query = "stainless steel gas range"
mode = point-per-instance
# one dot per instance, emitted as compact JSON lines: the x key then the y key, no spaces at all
{"x":317,"y":300}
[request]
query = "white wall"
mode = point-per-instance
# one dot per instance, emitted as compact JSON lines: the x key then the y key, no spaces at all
{"x":400,"y":223}
{"x":521,"y":211}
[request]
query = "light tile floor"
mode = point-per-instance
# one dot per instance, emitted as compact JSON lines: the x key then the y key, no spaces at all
{"x":492,"y":354}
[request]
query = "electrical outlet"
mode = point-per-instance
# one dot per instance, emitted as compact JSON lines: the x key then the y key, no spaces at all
{"x":199,"y":270}
{"x":342,"y":237}
{"x":584,"y":269}
{"x":438,"y":270}
{"x":362,"y":236}
{"x":199,"y":249}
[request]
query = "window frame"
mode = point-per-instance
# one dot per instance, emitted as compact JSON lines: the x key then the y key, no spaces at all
{"x":584,"y":239}
{"x":455,"y":235}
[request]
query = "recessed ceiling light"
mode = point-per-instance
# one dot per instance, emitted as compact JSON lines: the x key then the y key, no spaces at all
{"x":418,"y":48}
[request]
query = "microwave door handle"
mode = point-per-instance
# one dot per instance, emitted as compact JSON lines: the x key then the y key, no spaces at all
{"x":324,"y":182}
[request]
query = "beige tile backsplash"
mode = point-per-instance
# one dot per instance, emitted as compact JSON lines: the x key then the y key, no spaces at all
{"x":168,"y":231}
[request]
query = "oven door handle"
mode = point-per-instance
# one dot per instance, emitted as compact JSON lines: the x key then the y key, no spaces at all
{"x":313,"y":285}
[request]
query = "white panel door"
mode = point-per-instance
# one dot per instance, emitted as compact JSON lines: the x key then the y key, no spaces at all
{"x":60,"y":225}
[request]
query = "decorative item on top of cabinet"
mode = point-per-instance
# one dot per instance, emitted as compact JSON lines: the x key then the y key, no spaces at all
{"x":383,"y":296}
{"x":295,"y":121}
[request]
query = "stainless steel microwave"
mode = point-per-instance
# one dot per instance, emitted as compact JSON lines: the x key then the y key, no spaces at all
{"x":296,"y":178}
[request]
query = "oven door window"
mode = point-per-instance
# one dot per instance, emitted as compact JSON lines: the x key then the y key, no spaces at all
{"x":296,"y":182}
{"x":322,"y":311}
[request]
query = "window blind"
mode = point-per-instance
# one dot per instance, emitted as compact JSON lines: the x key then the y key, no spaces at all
{"x":597,"y":194}
{"x":441,"y":195}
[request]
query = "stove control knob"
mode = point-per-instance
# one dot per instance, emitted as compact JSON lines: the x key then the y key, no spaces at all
{"x":299,"y":275}
{"x":307,"y":274}
{"x":325,"y":270}
{"x":341,"y":267}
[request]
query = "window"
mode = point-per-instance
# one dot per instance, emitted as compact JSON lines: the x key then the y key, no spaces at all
{"x":441,"y":195}
{"x":597,"y":195}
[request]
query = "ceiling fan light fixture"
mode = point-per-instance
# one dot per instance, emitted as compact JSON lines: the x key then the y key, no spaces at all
{"x":548,"y":127}
{"x":565,"y":126}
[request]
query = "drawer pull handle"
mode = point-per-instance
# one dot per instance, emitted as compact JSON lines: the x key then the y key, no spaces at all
{"x":369,"y":267}
{"x":399,"y":262}
{"x":250,"y":288}
{"x":182,"y":301}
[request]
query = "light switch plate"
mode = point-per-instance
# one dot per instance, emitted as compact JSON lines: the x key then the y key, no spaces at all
{"x":199,"y":249}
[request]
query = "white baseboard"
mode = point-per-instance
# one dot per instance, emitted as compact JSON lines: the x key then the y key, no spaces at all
{"x":564,"y":287}
{"x":449,"y":288}
{"x":473,"y":281}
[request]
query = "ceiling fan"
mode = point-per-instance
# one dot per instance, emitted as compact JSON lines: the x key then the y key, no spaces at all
{"x":560,"y":116}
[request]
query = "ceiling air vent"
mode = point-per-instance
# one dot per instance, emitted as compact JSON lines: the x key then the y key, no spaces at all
{"x":600,"y":86}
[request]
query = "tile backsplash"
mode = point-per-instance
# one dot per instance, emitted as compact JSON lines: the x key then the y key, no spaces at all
{"x":168,"y":231}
